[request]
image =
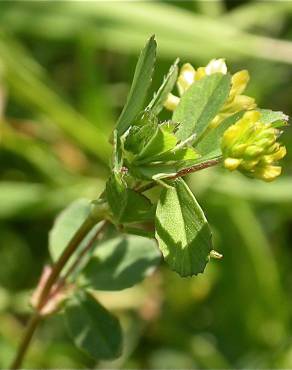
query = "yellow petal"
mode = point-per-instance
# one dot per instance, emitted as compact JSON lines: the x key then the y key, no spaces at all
{"x":171,"y":102}
{"x":216,"y":66}
{"x":268,"y":173}
{"x":232,"y":163}
{"x":239,"y":82}
{"x":186,"y":78}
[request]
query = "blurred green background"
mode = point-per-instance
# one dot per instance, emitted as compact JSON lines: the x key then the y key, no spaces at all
{"x":65,"y":70}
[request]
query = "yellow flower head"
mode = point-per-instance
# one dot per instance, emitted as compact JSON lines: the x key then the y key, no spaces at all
{"x":235,"y":102}
{"x":251,"y":146}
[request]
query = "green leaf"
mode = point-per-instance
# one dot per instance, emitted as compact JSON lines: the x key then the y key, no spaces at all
{"x":120,"y":263}
{"x":140,"y":85}
{"x":161,"y":142}
{"x":182,"y":230}
{"x":126,"y":204}
{"x":116,"y":193}
{"x":66,"y":225}
{"x":278,"y":119}
{"x":92,"y":328}
{"x":156,"y":104}
{"x":200,"y":104}
{"x":138,"y":208}
{"x":146,"y":172}
{"x":210,"y":145}
{"x":180,"y":154}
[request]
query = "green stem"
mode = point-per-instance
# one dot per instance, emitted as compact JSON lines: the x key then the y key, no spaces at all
{"x":65,"y":256}
{"x":30,"y":329}
{"x":80,"y":234}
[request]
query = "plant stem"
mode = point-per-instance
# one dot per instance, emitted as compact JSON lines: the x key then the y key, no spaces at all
{"x":195,"y":168}
{"x":184,"y":172}
{"x":45,"y":293}
{"x":65,"y":256}
{"x":87,"y":248}
{"x":30,"y":329}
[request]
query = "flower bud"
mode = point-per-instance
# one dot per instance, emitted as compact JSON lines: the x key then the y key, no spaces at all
{"x":250,"y":146}
{"x":239,"y":82}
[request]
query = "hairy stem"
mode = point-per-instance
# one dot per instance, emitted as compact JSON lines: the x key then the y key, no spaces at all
{"x":196,"y":167}
{"x":184,"y":172}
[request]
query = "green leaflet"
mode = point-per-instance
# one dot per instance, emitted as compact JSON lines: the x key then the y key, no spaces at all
{"x":210,"y":145}
{"x":181,"y":154}
{"x":120,"y":263}
{"x":140,"y":85}
{"x":116,"y":193}
{"x":156,"y":104}
{"x":146,"y":172}
{"x":127,"y":205}
{"x":162,"y":141}
{"x":200,"y":104}
{"x":92,"y":328}
{"x":182,"y":230}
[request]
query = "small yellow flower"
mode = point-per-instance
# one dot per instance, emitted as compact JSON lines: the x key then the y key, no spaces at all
{"x":251,"y":147}
{"x":235,"y":102}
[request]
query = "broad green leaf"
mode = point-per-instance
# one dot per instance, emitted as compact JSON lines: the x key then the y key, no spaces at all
{"x":210,"y":145}
{"x":127,"y":205}
{"x":138,"y":208}
{"x":156,"y":104}
{"x":182,"y":230}
{"x":278,"y":119}
{"x":140,"y":85}
{"x":200,"y":104}
{"x":120,"y":263}
{"x":66,"y":225}
{"x":92,"y":328}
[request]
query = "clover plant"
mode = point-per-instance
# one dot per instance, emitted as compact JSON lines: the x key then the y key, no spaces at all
{"x":115,"y":241}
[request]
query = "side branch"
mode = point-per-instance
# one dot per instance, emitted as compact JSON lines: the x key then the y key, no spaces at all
{"x":195,"y":168}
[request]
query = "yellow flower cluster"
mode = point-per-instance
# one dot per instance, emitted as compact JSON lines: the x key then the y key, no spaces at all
{"x":235,"y":102}
{"x":251,"y":147}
